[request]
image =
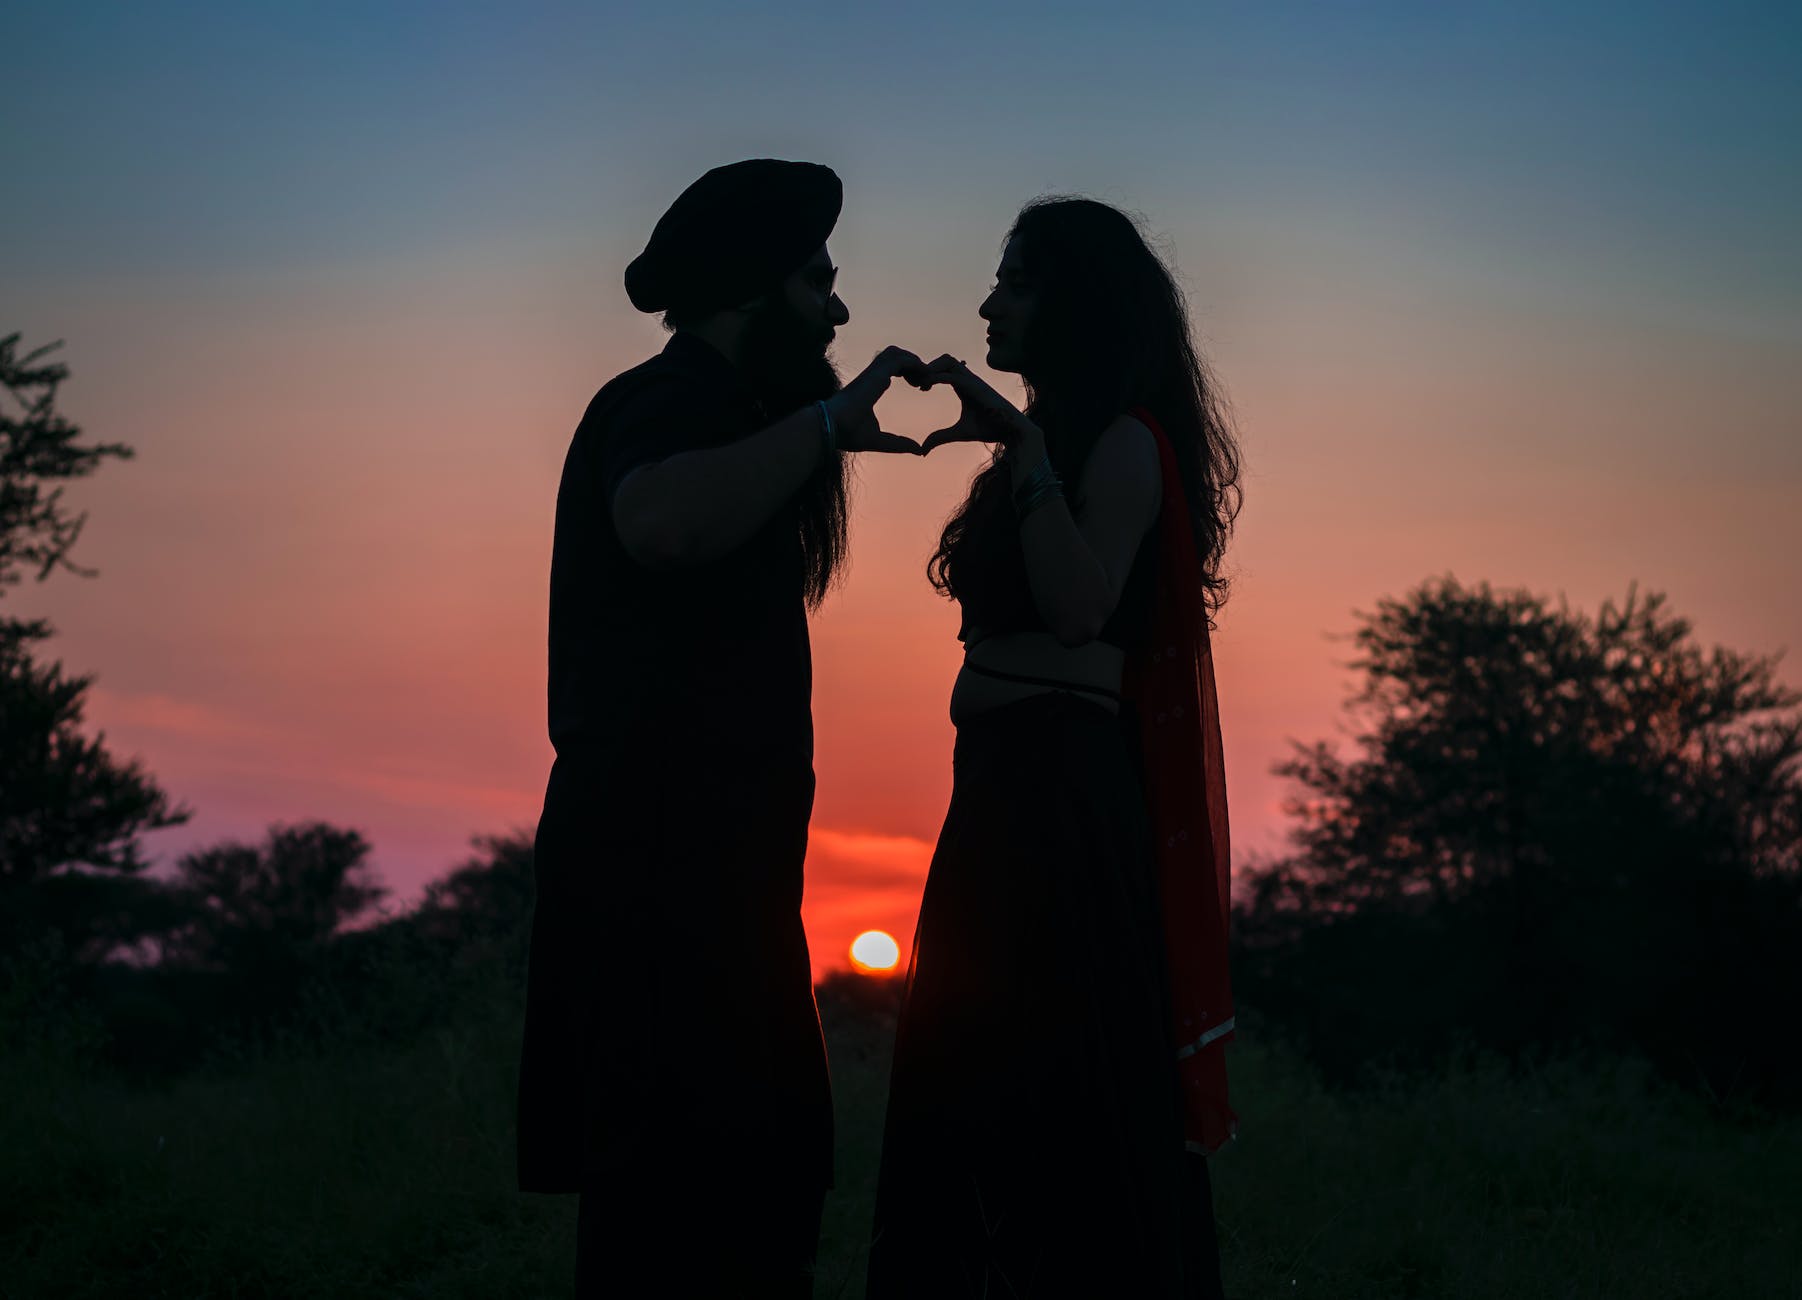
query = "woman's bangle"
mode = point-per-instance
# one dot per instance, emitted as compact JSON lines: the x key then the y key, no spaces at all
{"x":1035,"y":478}
{"x":1040,"y":485}
{"x":828,"y":435}
{"x":1052,"y":491}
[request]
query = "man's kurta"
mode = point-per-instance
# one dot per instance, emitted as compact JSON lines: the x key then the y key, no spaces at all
{"x":670,"y":1016}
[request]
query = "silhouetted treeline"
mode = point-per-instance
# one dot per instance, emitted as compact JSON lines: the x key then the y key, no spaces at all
{"x":256,"y":956}
{"x":1551,"y":830}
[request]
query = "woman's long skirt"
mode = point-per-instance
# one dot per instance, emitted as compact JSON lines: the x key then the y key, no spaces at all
{"x":1033,"y":1146}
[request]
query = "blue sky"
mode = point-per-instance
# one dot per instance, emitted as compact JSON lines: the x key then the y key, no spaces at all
{"x":1648,"y":148}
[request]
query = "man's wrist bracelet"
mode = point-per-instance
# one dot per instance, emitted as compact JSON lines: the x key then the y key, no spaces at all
{"x":828,"y":435}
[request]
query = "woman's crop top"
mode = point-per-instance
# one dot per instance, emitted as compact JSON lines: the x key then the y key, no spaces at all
{"x":1002,"y":600}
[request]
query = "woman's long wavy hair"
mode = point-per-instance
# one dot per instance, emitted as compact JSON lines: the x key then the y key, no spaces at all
{"x":1109,"y":331}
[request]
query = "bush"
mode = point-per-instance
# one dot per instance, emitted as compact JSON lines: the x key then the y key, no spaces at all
{"x":1555,"y":831}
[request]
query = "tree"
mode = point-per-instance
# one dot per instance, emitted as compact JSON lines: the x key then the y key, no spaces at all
{"x":1552,"y":828}
{"x":66,"y":804}
{"x":486,"y":899}
{"x":272,"y":908}
{"x":37,"y":449}
{"x":461,"y":951}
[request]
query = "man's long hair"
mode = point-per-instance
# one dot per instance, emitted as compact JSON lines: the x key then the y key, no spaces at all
{"x":1109,"y":331}
{"x":784,"y":365}
{"x":823,"y":519}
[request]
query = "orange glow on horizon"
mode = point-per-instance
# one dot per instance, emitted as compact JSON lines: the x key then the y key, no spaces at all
{"x":369,"y":664}
{"x":875,"y":952}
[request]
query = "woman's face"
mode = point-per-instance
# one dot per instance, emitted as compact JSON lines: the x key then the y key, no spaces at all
{"x":1008,"y":310}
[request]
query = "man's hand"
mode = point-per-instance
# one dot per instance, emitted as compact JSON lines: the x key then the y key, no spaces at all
{"x":986,"y":416}
{"x":853,"y":407}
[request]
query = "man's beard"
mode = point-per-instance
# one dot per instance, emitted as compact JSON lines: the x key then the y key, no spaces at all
{"x":783,"y":361}
{"x":783,"y":358}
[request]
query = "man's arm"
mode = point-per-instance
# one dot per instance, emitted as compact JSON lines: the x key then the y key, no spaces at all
{"x":698,"y":505}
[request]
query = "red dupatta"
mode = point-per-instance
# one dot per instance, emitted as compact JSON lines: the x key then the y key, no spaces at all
{"x":1171,"y":684}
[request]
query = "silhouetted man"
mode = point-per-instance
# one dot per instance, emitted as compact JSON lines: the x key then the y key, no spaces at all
{"x":673,"y":1071}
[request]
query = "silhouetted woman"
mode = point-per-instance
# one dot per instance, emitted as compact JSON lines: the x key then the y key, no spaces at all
{"x":1058,"y":1074}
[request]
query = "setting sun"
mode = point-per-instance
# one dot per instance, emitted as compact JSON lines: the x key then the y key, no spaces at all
{"x":875,"y":950}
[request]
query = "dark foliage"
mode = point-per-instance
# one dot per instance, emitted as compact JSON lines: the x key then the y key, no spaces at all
{"x":464,"y":945}
{"x":70,"y":813}
{"x":852,"y":995}
{"x":486,"y":900}
{"x":273,"y":906}
{"x":255,"y":954}
{"x":38,"y":450}
{"x":1553,"y":830}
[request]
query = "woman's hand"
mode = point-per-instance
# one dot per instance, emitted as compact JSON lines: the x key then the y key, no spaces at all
{"x":987,"y":416}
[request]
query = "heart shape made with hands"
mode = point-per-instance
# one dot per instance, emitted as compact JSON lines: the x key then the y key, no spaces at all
{"x":984,"y":415}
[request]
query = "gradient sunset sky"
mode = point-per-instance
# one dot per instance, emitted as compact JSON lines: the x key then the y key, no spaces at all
{"x":1512,"y":292}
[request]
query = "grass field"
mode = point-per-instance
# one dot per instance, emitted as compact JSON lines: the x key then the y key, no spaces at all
{"x":387,"y":1172}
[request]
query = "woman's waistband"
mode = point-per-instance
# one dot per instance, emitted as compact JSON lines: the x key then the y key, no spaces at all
{"x":1054,"y":683}
{"x":1039,"y":716}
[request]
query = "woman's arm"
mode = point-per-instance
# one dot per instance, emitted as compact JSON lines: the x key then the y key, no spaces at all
{"x":1077,"y":570}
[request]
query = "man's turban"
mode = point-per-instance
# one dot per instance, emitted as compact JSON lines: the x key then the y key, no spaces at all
{"x":734,"y":235}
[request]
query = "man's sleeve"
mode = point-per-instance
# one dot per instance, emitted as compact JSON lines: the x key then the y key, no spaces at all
{"x":661,"y":420}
